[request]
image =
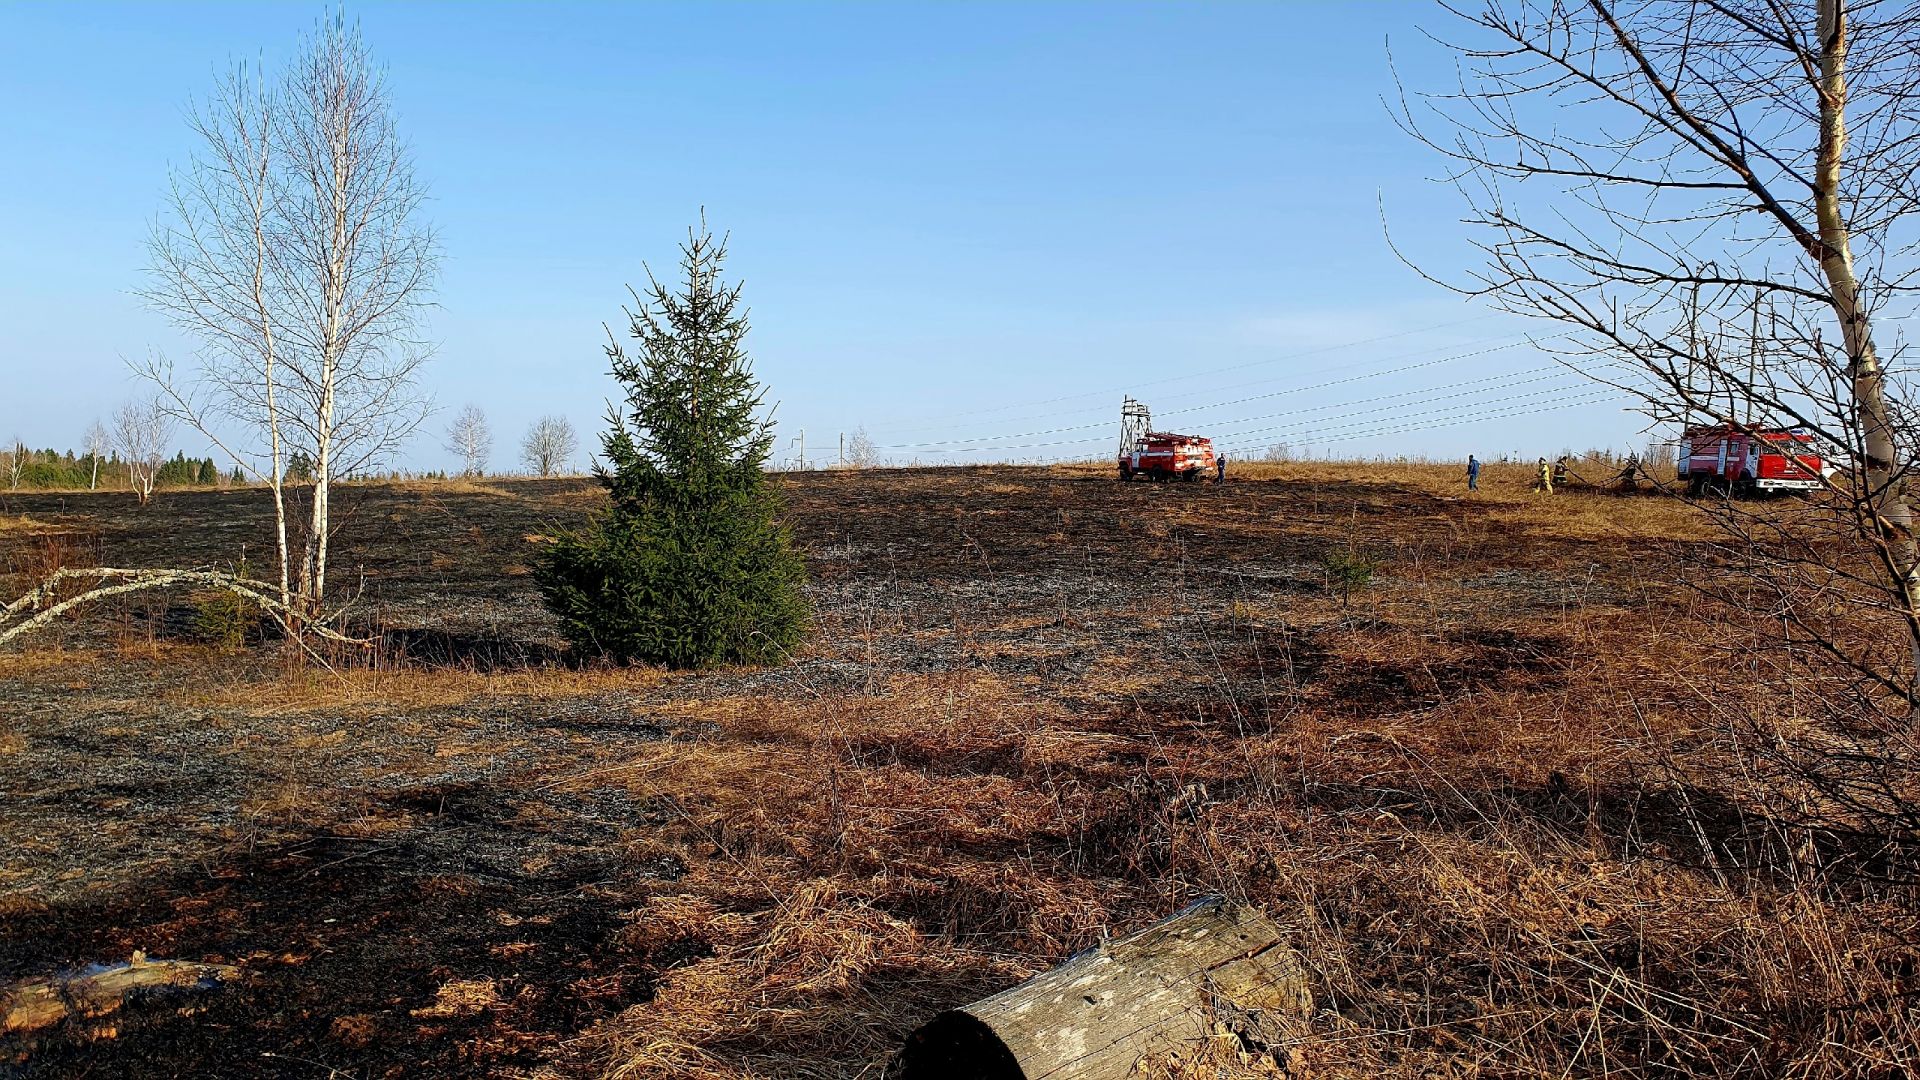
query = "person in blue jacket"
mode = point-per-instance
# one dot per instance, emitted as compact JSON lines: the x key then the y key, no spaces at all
{"x":1473,"y":473}
{"x":1219,"y":468}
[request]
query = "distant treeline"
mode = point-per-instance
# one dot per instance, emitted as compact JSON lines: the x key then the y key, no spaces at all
{"x":25,"y":468}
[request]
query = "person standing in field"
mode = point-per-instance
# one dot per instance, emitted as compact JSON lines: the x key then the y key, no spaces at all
{"x":1220,"y":468}
{"x":1559,"y":475}
{"x":1545,"y":482}
{"x":1473,"y":473}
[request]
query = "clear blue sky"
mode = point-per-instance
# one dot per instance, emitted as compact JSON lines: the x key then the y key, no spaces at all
{"x":939,"y":211}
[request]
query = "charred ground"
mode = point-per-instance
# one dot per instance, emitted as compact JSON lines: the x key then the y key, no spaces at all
{"x":1039,"y":705}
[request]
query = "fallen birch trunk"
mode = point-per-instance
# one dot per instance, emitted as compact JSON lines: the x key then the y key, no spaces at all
{"x":1214,"y":968}
{"x":32,"y":1004}
{"x":37,"y":608}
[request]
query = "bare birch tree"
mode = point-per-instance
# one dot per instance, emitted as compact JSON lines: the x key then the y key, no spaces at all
{"x":549,"y":446}
{"x":16,"y":460}
{"x":1713,"y":202}
{"x":292,"y":250}
{"x":471,"y":440}
{"x":861,"y":452}
{"x":98,"y":445}
{"x":140,"y":433}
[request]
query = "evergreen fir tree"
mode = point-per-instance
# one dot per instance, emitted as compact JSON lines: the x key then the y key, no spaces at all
{"x":688,"y":566}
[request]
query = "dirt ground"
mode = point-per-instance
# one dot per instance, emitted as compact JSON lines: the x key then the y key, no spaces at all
{"x":1039,"y":706}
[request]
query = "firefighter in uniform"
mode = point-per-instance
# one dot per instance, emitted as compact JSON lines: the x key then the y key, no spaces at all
{"x":1559,"y":475}
{"x":1545,"y":482}
{"x":1629,"y":479}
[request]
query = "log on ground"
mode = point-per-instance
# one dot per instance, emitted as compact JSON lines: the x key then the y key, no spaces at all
{"x":1214,"y":967}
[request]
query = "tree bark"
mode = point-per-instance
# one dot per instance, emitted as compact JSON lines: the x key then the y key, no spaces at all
{"x":1886,"y":492}
{"x":1216,"y":965}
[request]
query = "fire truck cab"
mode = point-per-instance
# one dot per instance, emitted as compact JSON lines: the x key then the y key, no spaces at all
{"x":1723,"y":459}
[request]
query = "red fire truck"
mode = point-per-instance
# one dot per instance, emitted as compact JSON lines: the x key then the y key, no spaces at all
{"x":1159,"y":455}
{"x":1162,"y":455}
{"x":1722,"y":458}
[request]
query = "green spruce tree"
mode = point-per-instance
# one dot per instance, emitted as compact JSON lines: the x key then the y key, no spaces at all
{"x":688,"y":566}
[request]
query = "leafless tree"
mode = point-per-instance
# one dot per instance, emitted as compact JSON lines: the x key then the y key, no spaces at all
{"x":140,"y":432}
{"x":549,"y":446}
{"x":1719,"y":226}
{"x":293,"y":251}
{"x":471,"y":440}
{"x":861,"y":452}
{"x":16,"y":463}
{"x":98,"y":445}
{"x":1713,"y":202}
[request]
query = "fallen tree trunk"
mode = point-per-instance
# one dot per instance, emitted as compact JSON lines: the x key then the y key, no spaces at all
{"x":1215,"y":967}
{"x":38,"y":607}
{"x":32,"y":1004}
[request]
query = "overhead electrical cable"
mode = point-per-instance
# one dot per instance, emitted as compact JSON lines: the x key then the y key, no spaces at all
{"x":1387,"y":408}
{"x":1186,"y":376}
{"x":1442,"y":418}
{"x":1516,"y":377}
{"x":1406,"y":422}
{"x":1515,"y":340}
{"x":1505,"y":414}
{"x":1349,"y":379}
{"x":1364,"y":376}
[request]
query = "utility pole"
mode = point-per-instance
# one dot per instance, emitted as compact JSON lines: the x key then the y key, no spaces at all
{"x":800,"y":441}
{"x":842,"y":462}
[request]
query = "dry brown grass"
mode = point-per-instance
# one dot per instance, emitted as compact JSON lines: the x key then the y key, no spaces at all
{"x":359,"y":689}
{"x":1486,"y":795}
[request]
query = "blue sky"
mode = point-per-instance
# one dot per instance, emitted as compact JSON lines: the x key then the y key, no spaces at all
{"x":961,"y":227}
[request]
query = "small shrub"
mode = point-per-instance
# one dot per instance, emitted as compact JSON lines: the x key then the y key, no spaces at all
{"x":223,"y":619}
{"x":1348,"y":570}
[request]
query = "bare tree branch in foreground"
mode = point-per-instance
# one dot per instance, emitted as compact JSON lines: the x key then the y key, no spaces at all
{"x":1714,"y":204}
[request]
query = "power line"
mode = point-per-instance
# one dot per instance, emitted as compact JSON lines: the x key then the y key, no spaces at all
{"x":1103,"y":408}
{"x":1393,"y":408}
{"x":1533,"y":375}
{"x":1406,"y":422}
{"x":1428,"y":422}
{"x":1350,"y":379}
{"x":933,"y":443}
{"x":1592,"y":399}
{"x":1207,"y":371}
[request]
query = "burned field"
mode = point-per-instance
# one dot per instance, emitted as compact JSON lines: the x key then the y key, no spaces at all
{"x":1039,"y":706}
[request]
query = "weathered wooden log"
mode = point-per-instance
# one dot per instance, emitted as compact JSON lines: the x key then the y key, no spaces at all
{"x":32,"y":1004}
{"x":1212,"y":967}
